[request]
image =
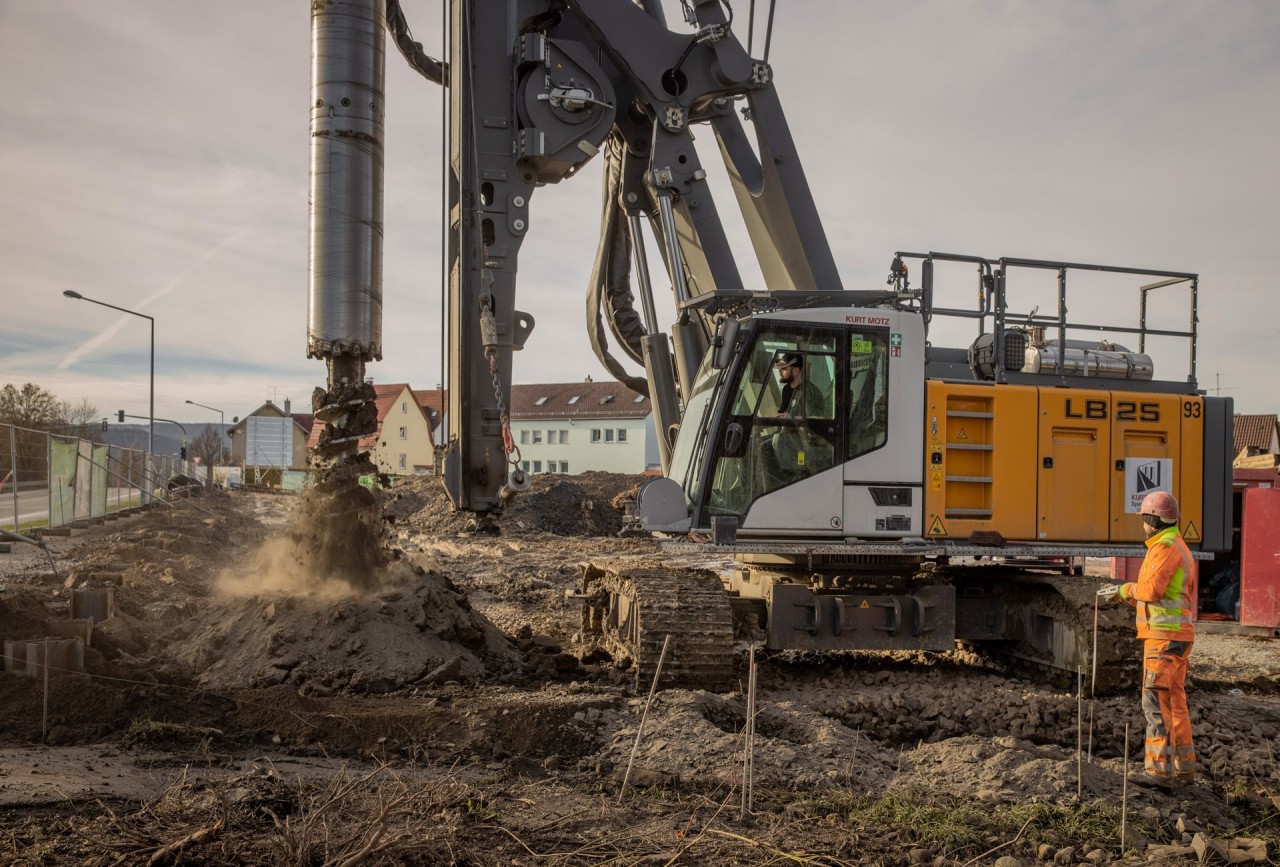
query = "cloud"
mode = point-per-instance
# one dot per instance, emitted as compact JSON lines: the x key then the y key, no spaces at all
{"x":103,"y":337}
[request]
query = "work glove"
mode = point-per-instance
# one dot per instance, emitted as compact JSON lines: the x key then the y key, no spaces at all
{"x":1107,"y":592}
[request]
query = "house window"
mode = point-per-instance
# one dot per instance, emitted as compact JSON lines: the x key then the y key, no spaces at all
{"x":402,"y":462}
{"x":564,"y":437}
{"x":537,"y":466}
{"x":595,"y":435}
{"x":524,"y":437}
{"x":537,"y":437}
{"x":404,"y":433}
{"x":575,"y":399}
{"x":622,"y":435}
{"x":639,"y":398}
{"x":608,"y":398}
{"x":540,"y":401}
{"x":524,"y":465}
{"x":564,"y":467}
{"x":404,"y":407}
{"x":608,"y":435}
{"x":553,"y":437}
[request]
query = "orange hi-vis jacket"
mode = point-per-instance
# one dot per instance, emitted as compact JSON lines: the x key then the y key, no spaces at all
{"x":1165,"y":592}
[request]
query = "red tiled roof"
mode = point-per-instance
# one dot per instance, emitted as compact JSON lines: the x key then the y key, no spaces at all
{"x":1259,"y":431}
{"x":593,"y":400}
{"x":434,"y":403}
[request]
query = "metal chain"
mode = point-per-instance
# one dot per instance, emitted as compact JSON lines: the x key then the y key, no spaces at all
{"x":508,"y":441}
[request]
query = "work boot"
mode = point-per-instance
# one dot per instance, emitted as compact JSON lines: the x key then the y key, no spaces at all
{"x":1152,"y":781}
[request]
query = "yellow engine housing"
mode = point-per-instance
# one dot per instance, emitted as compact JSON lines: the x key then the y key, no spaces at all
{"x":1042,"y":464}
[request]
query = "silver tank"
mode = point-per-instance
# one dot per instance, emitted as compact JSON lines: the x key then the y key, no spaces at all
{"x":1082,"y":359}
{"x":345,"y":263}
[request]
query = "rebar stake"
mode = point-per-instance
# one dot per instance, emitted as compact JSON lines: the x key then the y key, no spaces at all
{"x":1093,"y":681}
{"x":749,"y":759}
{"x":1079,"y":734}
{"x":44,"y":716}
{"x":1124,"y":792}
{"x":657,"y":673}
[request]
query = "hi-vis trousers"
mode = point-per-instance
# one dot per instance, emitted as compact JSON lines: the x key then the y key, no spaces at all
{"x":1164,"y":703}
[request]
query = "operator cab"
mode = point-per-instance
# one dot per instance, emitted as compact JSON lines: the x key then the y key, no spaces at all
{"x":813,"y":430}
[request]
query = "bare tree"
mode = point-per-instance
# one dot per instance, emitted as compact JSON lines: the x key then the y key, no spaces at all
{"x":30,"y":406}
{"x":81,"y":420}
{"x":209,"y":447}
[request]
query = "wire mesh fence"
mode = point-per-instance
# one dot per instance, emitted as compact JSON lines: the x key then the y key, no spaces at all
{"x":52,"y":480}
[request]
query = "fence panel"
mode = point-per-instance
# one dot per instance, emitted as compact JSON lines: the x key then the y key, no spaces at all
{"x":51,"y":479}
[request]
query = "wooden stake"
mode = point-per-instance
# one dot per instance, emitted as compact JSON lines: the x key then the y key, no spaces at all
{"x":653,"y":688}
{"x":1093,"y":681}
{"x":1124,"y":791}
{"x":1079,"y":734}
{"x":44,"y":716}
{"x":750,"y":769}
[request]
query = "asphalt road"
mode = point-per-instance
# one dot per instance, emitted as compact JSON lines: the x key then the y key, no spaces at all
{"x":33,"y":506}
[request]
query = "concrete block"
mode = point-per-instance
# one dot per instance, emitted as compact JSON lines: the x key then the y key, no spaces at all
{"x":4,"y":547}
{"x":15,"y":657}
{"x":99,"y":605}
{"x":79,"y":525}
{"x":65,"y":654}
{"x":81,"y":628}
{"x":54,"y":531}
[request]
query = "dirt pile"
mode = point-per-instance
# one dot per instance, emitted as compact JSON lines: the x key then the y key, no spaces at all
{"x":417,"y":628}
{"x":590,"y":504}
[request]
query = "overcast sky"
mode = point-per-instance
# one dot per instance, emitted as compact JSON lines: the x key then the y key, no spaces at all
{"x":153,"y":155}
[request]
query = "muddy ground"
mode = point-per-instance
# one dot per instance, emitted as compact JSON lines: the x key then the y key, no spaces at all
{"x":237,"y":711}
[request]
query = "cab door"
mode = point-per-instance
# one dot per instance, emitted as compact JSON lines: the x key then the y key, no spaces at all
{"x":774,"y":464}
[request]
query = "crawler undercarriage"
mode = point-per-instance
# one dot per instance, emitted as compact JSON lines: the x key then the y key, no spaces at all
{"x":873,"y":598}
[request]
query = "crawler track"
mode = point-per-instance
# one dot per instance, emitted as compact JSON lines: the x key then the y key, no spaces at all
{"x":1050,"y":627}
{"x":633,"y":608}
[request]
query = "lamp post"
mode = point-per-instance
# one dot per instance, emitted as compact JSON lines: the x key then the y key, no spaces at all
{"x":151,"y":414}
{"x":222,"y":424}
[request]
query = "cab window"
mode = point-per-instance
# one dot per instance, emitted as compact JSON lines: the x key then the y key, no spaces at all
{"x":868,"y":427}
{"x":782,"y":423}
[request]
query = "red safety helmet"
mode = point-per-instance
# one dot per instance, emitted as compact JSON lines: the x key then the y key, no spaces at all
{"x":1161,"y":504}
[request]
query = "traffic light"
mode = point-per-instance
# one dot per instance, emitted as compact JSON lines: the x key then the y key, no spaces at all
{"x":182,"y":453}
{"x":120,"y":416}
{"x":104,"y":424}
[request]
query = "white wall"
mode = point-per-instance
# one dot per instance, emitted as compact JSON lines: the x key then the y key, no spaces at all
{"x":615,"y":445}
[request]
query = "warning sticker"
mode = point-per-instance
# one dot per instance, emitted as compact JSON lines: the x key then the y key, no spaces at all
{"x":895,"y":345}
{"x":936,"y":528}
{"x":864,"y":604}
{"x":962,"y":435}
{"x":1191,"y":534}
{"x":935,"y":481}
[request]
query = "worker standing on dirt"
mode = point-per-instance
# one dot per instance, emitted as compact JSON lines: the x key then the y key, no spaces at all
{"x":1165,"y":598}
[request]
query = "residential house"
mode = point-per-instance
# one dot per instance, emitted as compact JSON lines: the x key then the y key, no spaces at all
{"x":270,"y":437}
{"x":1260,"y":432}
{"x":402,"y":444}
{"x":576,"y":427}
{"x":1256,"y":436}
{"x":435,"y":404}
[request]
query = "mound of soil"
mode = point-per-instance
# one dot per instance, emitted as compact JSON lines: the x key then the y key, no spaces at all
{"x":416,"y":629}
{"x":590,"y":504}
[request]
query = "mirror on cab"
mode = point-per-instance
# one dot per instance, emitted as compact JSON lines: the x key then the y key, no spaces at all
{"x":725,"y":342}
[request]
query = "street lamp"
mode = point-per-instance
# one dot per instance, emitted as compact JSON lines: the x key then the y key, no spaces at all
{"x":222,"y":424}
{"x":151,"y":431}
